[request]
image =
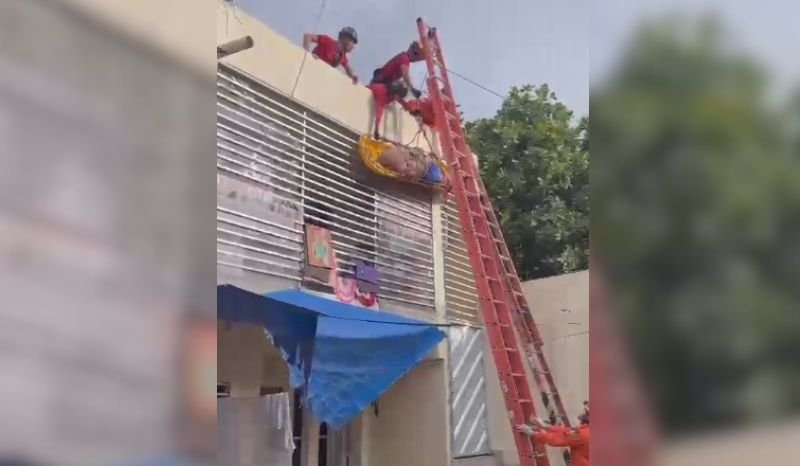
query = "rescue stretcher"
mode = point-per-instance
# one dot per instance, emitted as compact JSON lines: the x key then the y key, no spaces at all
{"x":370,"y":151}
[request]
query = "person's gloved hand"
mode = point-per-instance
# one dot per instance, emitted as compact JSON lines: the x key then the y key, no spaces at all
{"x":416,"y":93}
{"x":527,"y":430}
{"x":538,"y":422}
{"x":355,"y":79}
{"x":375,"y":135}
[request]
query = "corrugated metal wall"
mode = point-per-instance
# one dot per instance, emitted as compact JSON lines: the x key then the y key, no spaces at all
{"x":468,"y":392}
{"x":462,"y":301}
{"x":279,"y":165}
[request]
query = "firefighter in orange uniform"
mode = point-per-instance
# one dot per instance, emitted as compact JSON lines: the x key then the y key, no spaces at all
{"x":574,"y":438}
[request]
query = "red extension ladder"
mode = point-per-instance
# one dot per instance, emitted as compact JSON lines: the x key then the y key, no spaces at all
{"x":504,"y":309}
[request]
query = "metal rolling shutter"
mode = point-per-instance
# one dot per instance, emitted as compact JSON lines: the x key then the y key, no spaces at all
{"x":462,"y":300}
{"x":280,"y":164}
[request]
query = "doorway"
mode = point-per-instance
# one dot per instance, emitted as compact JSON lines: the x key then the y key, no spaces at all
{"x":333,"y":446}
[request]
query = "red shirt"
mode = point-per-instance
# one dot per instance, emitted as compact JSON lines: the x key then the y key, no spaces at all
{"x":392,"y":70}
{"x":327,"y":50}
{"x":380,"y":94}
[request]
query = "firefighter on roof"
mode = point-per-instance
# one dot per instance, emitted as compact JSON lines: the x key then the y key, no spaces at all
{"x":383,"y":95}
{"x":334,"y":52}
{"x":397,"y":68}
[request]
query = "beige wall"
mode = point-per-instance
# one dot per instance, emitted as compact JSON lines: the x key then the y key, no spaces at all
{"x":411,"y":425}
{"x":561,"y":308}
{"x":247,"y":361}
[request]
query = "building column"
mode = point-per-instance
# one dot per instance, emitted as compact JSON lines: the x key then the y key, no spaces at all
{"x":440,"y":302}
{"x":310,"y":454}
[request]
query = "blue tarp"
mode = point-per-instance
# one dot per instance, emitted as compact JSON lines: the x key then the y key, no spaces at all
{"x":355,"y":354}
{"x":292,"y":332}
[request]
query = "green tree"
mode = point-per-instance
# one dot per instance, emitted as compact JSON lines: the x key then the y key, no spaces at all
{"x":696,"y":199}
{"x":534,"y":161}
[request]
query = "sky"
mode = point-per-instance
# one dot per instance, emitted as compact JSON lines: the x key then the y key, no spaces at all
{"x":499,"y":43}
{"x":764,"y":29}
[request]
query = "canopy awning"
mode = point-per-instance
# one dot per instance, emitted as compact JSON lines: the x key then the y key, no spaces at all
{"x":351,"y":355}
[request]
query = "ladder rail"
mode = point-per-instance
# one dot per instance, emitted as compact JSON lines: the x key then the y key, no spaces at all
{"x":530,"y":330}
{"x":495,"y":305}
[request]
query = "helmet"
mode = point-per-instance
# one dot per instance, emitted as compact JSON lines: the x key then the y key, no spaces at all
{"x":416,"y":47}
{"x":349,"y":32}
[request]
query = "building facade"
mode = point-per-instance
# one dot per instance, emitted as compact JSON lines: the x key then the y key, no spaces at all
{"x":287,"y":134}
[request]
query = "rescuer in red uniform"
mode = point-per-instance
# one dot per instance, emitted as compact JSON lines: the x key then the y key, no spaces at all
{"x":397,"y":68}
{"x":423,"y":110}
{"x":383,"y":95}
{"x":334,"y":52}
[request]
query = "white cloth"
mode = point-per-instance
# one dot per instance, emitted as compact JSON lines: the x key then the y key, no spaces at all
{"x":255,"y":431}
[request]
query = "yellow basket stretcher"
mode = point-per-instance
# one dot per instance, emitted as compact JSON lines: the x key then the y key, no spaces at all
{"x":370,"y":151}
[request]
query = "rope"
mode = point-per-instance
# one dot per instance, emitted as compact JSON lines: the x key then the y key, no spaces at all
{"x":425,"y":134}
{"x":305,"y":54}
{"x":424,"y":82}
{"x":475,"y":83}
{"x":415,"y":139}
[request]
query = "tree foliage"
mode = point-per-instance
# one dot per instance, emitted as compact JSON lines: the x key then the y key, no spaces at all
{"x":697,"y":200}
{"x":534,"y":161}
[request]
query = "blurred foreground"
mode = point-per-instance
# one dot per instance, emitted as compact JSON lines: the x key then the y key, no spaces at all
{"x":107,"y":328}
{"x":695,"y":221}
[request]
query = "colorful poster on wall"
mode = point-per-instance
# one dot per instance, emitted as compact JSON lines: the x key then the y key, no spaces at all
{"x":322,"y":269}
{"x":319,"y":247}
